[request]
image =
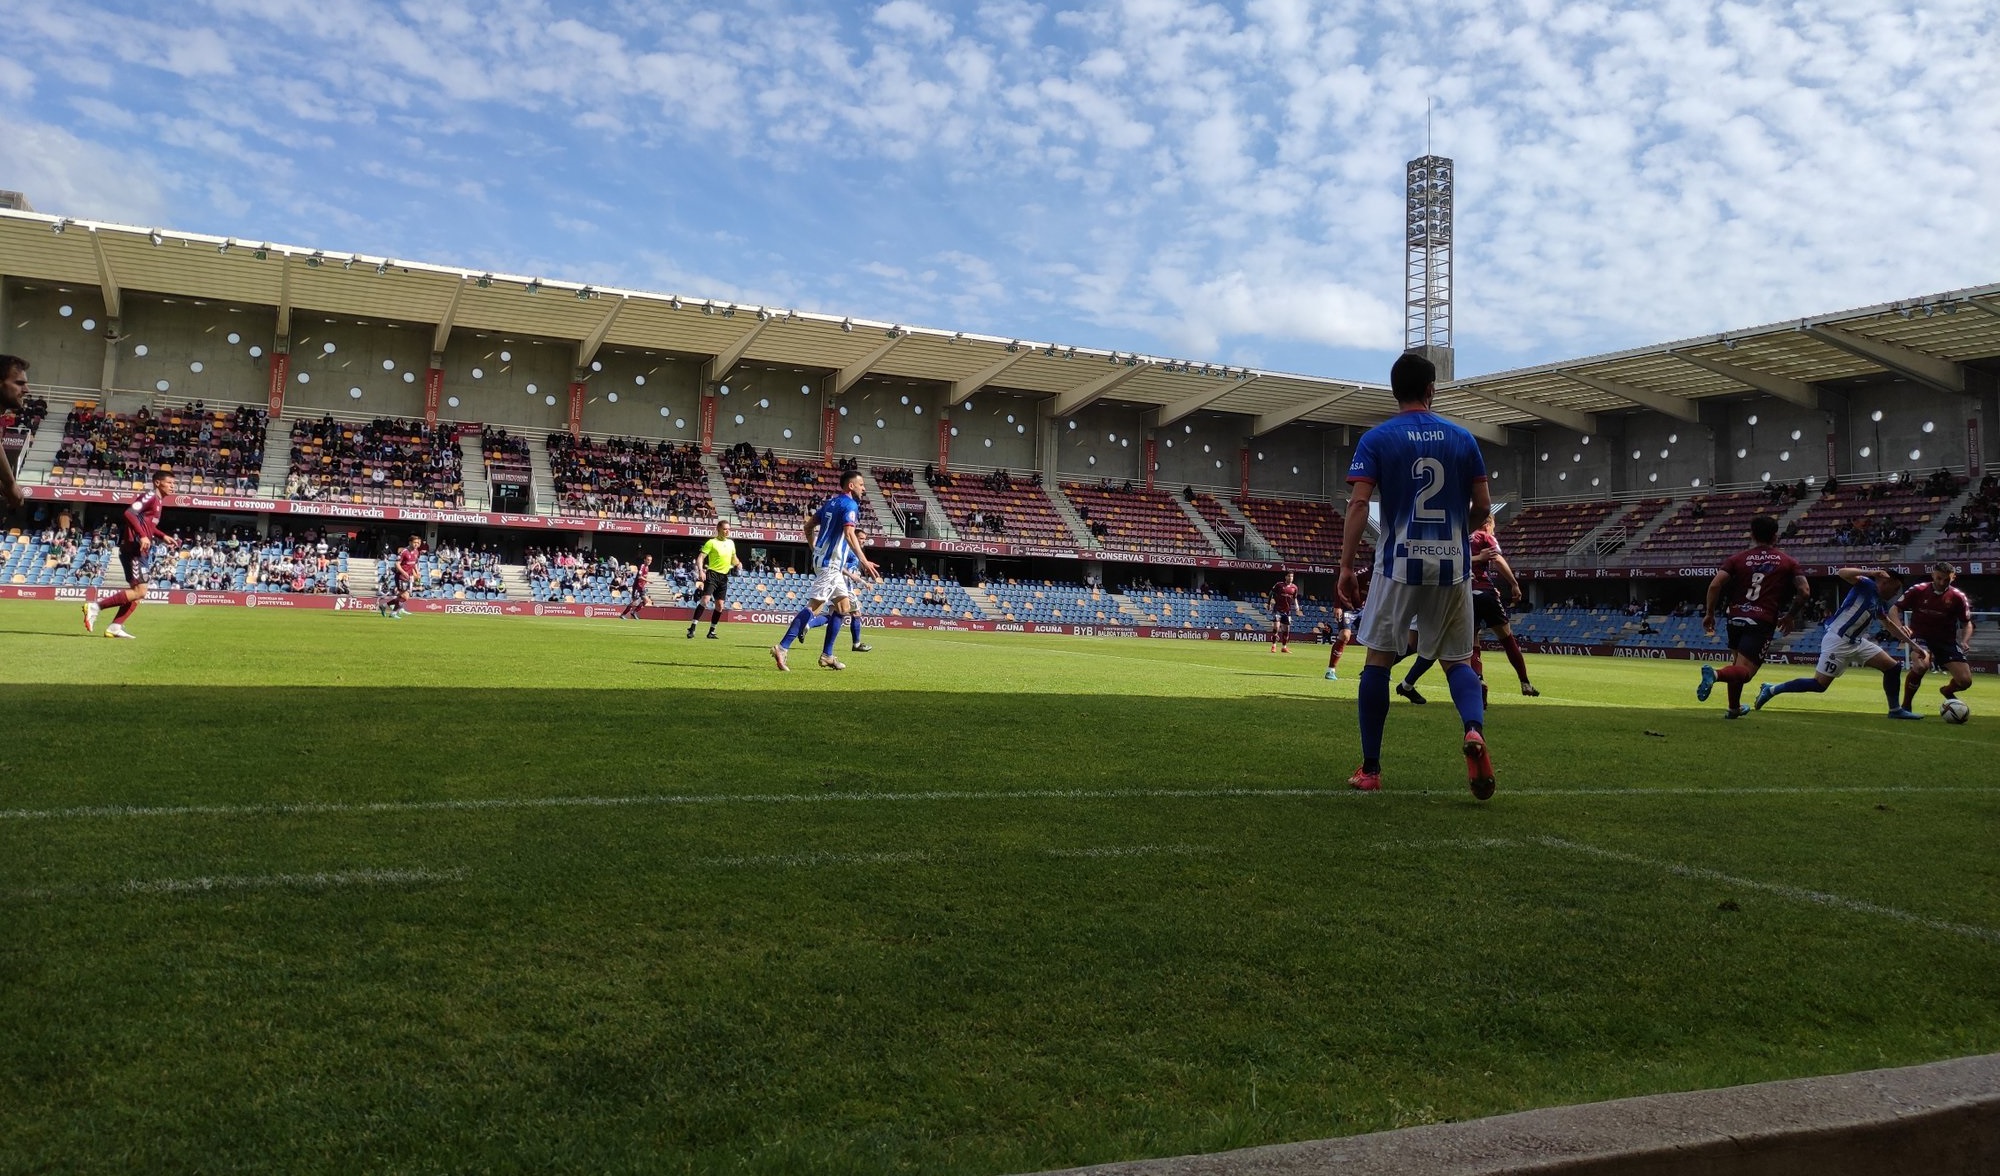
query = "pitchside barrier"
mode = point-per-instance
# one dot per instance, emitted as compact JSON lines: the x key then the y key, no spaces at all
{"x":365,"y":603}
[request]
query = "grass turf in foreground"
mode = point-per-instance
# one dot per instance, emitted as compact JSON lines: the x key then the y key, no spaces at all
{"x":978,"y":904}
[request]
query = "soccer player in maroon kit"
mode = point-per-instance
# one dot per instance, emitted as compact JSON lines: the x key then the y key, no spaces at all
{"x":138,"y":530}
{"x":406,"y":575}
{"x":640,"y":579}
{"x":1765,"y":591}
{"x":1284,"y":605}
{"x":1489,"y":611}
{"x":1940,"y":617}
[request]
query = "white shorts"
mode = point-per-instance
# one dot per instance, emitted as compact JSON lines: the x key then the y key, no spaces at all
{"x":829,"y":584}
{"x":1441,"y":614}
{"x":1836,"y":653}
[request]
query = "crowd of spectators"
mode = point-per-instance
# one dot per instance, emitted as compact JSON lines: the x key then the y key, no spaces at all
{"x":17,"y":429}
{"x":385,"y":460}
{"x":1977,"y":523}
{"x":935,"y":478}
{"x":555,"y":572}
{"x":238,"y":560}
{"x":629,"y":477}
{"x":896,"y":476}
{"x":1871,"y":532}
{"x":504,"y":452}
{"x":215,"y":449}
{"x":449,"y":567}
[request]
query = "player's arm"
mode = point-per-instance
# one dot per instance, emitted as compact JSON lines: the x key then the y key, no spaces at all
{"x":10,"y":491}
{"x":1350,"y":539}
{"x":1482,"y":506}
{"x":1717,"y":585}
{"x":1505,"y":571}
{"x":1896,"y":627}
{"x":861,"y":559}
{"x":1801,"y":596}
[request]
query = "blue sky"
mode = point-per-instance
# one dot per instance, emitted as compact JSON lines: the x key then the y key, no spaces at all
{"x":1202,"y":181}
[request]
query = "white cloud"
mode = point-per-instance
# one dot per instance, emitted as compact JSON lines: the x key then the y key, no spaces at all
{"x":909,"y":16}
{"x":69,"y":176}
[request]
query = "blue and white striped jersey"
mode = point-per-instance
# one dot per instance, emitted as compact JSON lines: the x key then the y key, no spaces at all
{"x":830,"y":546}
{"x":1859,"y":609}
{"x":1423,"y":468}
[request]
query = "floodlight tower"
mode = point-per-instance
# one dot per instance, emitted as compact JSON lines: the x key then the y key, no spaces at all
{"x":1427,"y":261}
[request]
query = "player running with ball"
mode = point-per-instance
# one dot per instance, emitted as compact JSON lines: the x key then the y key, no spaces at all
{"x":1431,"y":478}
{"x":1846,"y":643}
{"x":1940,"y":617}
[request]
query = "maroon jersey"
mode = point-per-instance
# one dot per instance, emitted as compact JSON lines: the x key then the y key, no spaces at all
{"x":1936,"y":617}
{"x":639,"y":581}
{"x":1479,"y":543}
{"x":406,"y":563}
{"x":1285,"y":599}
{"x":141,"y":520}
{"x":1761,"y":585}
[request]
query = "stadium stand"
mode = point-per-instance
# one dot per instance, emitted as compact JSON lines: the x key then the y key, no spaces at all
{"x":384,"y":462}
{"x":506,"y":456}
{"x":630,"y":478}
{"x":1048,"y":602}
{"x":1130,"y":518}
{"x":1212,"y":511}
{"x":217,"y":450}
{"x":1002,"y":506}
{"x":577,"y":577}
{"x":1975,"y":528}
{"x":56,"y":559}
{"x":18,"y":429}
{"x":450,"y":572}
{"x":1548,"y":530}
{"x":1878,"y":518}
{"x":898,"y":486}
{"x":1176,"y":609}
{"x":1703,"y":529}
{"x":770,"y":491}
{"x":1304,"y":531}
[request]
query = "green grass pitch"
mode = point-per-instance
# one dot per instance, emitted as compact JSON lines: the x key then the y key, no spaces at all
{"x":313,"y":891}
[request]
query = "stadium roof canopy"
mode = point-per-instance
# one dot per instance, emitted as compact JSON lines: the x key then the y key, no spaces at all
{"x":1924,"y":339}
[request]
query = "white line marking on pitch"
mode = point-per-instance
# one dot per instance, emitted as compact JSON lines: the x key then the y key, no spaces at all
{"x":1797,"y":894}
{"x":650,"y":800}
{"x":329,"y":880}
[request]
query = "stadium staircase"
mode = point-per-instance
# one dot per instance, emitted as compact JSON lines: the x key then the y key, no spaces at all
{"x":361,"y":573}
{"x":879,"y":503}
{"x":1604,"y":540}
{"x":40,"y":455}
{"x":472,"y":457}
{"x":1129,"y":611}
{"x":1255,"y":546}
{"x":541,"y":479}
{"x":1066,"y":511}
{"x":1645,"y":530}
{"x":1215,"y":540}
{"x":1923,"y":545}
{"x":937,"y":524}
{"x":718,"y":490}
{"x":277,"y":460}
{"x":984,"y":600}
{"x":514,"y":582}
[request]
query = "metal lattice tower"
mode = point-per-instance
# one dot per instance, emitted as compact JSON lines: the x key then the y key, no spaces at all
{"x":1427,"y":259}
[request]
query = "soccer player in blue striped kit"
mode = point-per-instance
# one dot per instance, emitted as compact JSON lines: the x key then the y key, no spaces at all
{"x":1430,"y":478}
{"x":835,"y":537}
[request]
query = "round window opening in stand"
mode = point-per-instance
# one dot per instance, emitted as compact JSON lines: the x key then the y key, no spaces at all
{"x":549,"y":400}
{"x":452,"y":401}
{"x":139,"y":350}
{"x":256,"y":352}
{"x":160,"y":386}
{"x":91,"y":324}
{"x":195,"y":367}
{"x":65,"y":310}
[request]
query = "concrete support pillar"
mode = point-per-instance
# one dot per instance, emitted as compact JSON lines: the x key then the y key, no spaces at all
{"x":108,"y":376}
{"x":1048,"y":436}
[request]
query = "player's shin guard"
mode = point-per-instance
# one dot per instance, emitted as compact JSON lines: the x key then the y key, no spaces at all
{"x":1334,"y":660}
{"x":1520,"y":664}
{"x":1418,"y":669}
{"x":1467,"y":695}
{"x":1373,"y":708}
{"x":1911,"y":685}
{"x":797,"y":629}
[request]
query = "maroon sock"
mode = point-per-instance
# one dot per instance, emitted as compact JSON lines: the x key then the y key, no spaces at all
{"x":1513,"y":648}
{"x":114,"y":598}
{"x":1338,"y":645}
{"x":124,"y":610}
{"x":1910,"y":686}
{"x":1734,"y":674}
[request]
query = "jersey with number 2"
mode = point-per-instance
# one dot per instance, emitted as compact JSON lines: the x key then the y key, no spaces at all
{"x":1423,"y":468}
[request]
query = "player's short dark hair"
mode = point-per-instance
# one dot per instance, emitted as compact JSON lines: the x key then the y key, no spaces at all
{"x":1411,"y":377}
{"x":10,"y":362}
{"x":851,"y":475}
{"x":1764,"y":528}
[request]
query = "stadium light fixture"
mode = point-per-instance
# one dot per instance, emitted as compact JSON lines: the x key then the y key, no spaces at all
{"x":262,"y":254}
{"x":349,"y":263}
{"x":1902,"y":310}
{"x":1013,"y":347}
{"x":847,"y":326}
{"x":708,"y":308}
{"x":381,"y":267}
{"x":763,"y":315}
{"x":534,"y":285}
{"x":158,"y":239}
{"x":1729,"y":344}
{"x":585,"y":294}
{"x":674,"y":302}
{"x":226,"y":243}
{"x":483,"y":281}
{"x":315,"y":259}
{"x":62,"y":222}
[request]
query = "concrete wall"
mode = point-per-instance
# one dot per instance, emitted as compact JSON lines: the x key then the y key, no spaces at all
{"x":61,"y":351}
{"x":628,"y":390}
{"x":491,"y":377}
{"x":986,"y":418}
{"x":1899,"y":440}
{"x":896,"y":420}
{"x":1107,"y":441}
{"x":372,"y":367}
{"x":1300,"y":461}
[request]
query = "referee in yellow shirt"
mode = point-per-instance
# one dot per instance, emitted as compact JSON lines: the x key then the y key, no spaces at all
{"x":718,"y":560}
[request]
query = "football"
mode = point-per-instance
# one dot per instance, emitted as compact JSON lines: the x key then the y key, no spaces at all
{"x":1955,"y":711}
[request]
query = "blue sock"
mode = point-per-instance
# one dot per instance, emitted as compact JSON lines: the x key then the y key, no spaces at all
{"x":1892,"y":681}
{"x":1799,"y":686}
{"x":854,"y":628}
{"x":1418,"y":669}
{"x":832,"y":635}
{"x":1466,"y":694}
{"x":1373,"y":707}
{"x":816,"y":622}
{"x":798,"y":628}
